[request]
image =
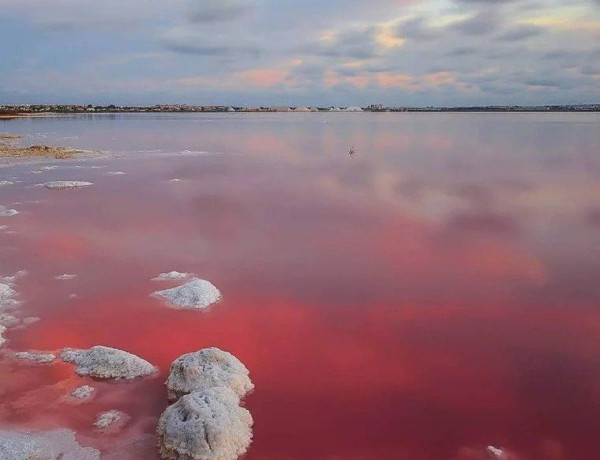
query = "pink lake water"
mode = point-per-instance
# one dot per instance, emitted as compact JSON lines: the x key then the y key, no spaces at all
{"x":435,"y":294}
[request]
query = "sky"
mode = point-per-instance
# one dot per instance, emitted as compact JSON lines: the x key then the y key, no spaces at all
{"x":300,"y":52}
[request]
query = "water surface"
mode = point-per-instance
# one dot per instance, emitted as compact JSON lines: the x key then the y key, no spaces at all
{"x":435,"y":294}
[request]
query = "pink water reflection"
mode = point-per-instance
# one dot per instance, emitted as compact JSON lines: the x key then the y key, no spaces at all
{"x":435,"y":295}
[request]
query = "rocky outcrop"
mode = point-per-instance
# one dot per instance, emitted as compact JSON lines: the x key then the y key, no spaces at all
{"x":195,"y":294}
{"x":205,"y":425}
{"x":207,"y":368}
{"x":102,"y":362}
{"x":56,"y":444}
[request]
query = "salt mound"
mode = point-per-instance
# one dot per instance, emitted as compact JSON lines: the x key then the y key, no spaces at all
{"x":207,"y":425}
{"x":112,"y":419}
{"x":38,"y":358}
{"x":66,"y":184}
{"x":8,"y":212}
{"x":173,"y":275}
{"x":65,"y":277}
{"x":83,"y":392}
{"x":107,"y":363}
{"x":46,"y":445}
{"x":2,"y":339}
{"x":8,"y":296}
{"x":207,"y":368}
{"x":8,"y":320}
{"x":196,"y":294}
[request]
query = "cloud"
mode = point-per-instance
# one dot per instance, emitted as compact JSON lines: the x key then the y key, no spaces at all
{"x":201,"y":11}
{"x":519,"y":33}
{"x":481,"y":23}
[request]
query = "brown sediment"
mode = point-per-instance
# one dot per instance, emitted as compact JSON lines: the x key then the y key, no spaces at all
{"x":38,"y":151}
{"x":9,"y":137}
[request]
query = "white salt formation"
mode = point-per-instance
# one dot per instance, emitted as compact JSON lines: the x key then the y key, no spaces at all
{"x":206,"y":369}
{"x":8,"y":320}
{"x":65,"y":277}
{"x":8,"y":296}
{"x":49,"y":445}
{"x":5,"y":182}
{"x":2,"y":339}
{"x":173,"y":275}
{"x":8,"y":212}
{"x":34,"y":357}
{"x":83,"y":392}
{"x":113,"y":419}
{"x":66,"y":184}
{"x":107,"y":363}
{"x":195,"y":294}
{"x":115,"y":173}
{"x":205,"y":425}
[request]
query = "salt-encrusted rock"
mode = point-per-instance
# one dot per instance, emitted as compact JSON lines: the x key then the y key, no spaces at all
{"x":195,"y":294}
{"x":2,"y":339}
{"x":65,"y":277}
{"x":11,"y":279}
{"x":82,"y":393}
{"x":205,"y":425}
{"x":38,"y":358}
{"x":207,"y":368}
{"x":7,"y":320}
{"x":66,"y":184}
{"x":107,"y":363}
{"x":112,"y":419}
{"x":56,"y":444}
{"x":173,"y":275}
{"x":8,"y":212}
{"x":8,"y":296}
{"x":115,"y":173}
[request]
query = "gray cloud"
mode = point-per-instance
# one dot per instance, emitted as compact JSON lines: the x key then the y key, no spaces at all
{"x":481,"y":23}
{"x":521,"y":33}
{"x":202,"y":11}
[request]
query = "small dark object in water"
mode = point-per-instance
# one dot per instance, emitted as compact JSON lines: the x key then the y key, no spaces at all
{"x":352,"y":151}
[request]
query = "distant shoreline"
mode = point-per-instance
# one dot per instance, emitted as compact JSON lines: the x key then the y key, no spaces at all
{"x":57,"y":110}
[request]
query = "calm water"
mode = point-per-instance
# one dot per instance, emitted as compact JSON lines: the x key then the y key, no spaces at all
{"x":436,"y":294}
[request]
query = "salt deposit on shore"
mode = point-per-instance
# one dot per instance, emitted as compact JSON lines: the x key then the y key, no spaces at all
{"x":173,"y":275}
{"x":207,"y":368}
{"x":35,"y":357}
{"x":2,"y":331}
{"x":56,"y":444}
{"x":66,"y":184}
{"x":207,"y":425}
{"x":195,"y":294}
{"x":107,"y":363}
